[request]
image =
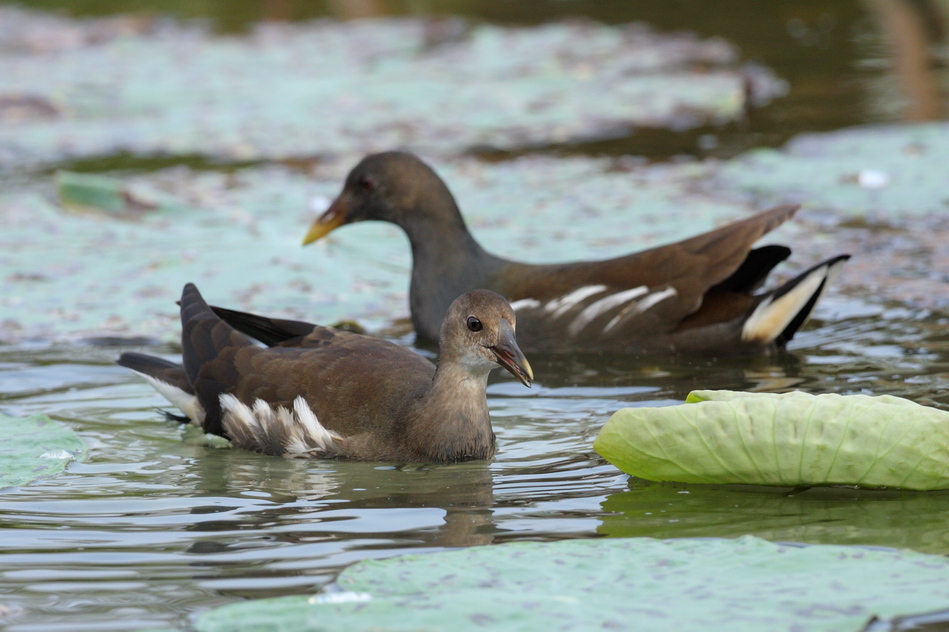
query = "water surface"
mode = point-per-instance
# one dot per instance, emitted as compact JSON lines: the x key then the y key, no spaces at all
{"x":157,"y":526}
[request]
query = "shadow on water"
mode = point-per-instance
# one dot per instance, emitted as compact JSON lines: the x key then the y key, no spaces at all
{"x":457,"y":500}
{"x":814,"y":516}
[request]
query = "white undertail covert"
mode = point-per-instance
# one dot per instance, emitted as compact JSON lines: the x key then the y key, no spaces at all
{"x":297,"y":432}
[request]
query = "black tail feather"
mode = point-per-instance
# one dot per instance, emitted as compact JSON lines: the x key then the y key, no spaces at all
{"x":270,"y":331}
{"x":159,"y":368}
{"x":170,"y":416}
{"x":753,"y":271}
{"x":805,"y":312}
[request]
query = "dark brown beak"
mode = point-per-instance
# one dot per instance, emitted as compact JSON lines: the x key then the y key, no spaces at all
{"x":334,"y":217}
{"x":509,"y":355}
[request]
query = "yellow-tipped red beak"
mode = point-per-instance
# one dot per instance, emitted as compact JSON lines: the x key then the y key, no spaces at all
{"x":334,"y":217}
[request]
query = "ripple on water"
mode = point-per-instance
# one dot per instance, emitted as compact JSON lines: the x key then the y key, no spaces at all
{"x":157,"y":523}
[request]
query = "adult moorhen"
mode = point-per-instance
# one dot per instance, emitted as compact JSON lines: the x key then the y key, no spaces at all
{"x":322,"y":392}
{"x":695,"y":295}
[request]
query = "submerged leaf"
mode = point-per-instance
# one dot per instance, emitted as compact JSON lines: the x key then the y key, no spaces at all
{"x":94,"y":193}
{"x":790,"y":439}
{"x":329,"y":87}
{"x":34,"y":447}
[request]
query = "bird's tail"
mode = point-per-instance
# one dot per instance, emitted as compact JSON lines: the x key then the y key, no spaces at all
{"x":781,"y":313}
{"x":169,"y":379}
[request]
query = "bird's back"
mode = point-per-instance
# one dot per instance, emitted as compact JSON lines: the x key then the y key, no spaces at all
{"x":352,"y":383}
{"x":642,"y":299}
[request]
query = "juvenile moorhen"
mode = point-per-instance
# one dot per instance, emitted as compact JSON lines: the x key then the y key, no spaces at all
{"x":322,"y":392}
{"x":695,"y":295}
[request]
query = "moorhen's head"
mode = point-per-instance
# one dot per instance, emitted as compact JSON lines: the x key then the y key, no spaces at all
{"x":393,"y":186}
{"x":478,"y":333}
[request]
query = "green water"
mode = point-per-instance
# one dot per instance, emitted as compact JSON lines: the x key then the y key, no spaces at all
{"x":157,"y":527}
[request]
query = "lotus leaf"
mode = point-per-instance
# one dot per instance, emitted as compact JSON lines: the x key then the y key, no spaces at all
{"x":789,"y":439}
{"x":328,"y":87}
{"x":79,"y":274}
{"x":883,"y":169}
{"x":612,"y":583}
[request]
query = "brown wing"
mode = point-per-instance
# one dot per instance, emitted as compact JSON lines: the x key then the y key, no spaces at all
{"x":270,"y":331}
{"x":351,"y":382}
{"x":677,"y":276}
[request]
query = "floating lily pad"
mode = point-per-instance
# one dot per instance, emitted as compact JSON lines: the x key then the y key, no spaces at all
{"x":885,"y":170}
{"x":238,"y":236}
{"x":329,"y":87}
{"x":790,"y":439}
{"x":34,"y":447}
{"x":877,"y":189}
{"x":620,"y":584}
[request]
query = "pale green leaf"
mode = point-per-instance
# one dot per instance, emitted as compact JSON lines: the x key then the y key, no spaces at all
{"x":788,"y":439}
{"x":611,"y":584}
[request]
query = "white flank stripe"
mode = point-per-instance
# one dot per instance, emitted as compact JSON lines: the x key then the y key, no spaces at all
{"x":603,"y":305}
{"x":525,"y":303}
{"x":185,"y":402}
{"x":559,"y":306}
{"x":641,"y":306}
{"x":302,"y":433}
{"x":654,"y":298}
{"x":772,"y":316}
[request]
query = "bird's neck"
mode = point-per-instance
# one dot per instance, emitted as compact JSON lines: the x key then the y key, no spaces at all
{"x":447,"y":261}
{"x":443,"y":237}
{"x":450,"y":422}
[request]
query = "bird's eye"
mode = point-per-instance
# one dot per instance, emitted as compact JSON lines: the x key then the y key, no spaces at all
{"x":474,"y":324}
{"x":366,"y":183}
